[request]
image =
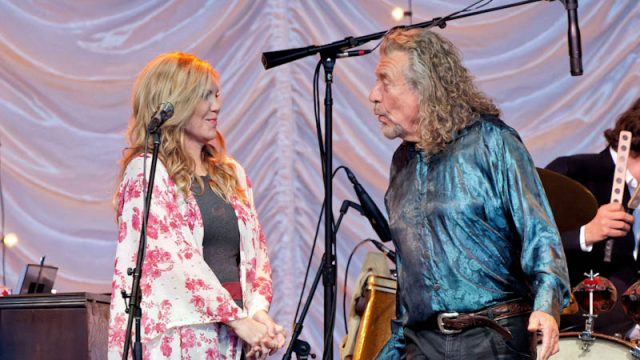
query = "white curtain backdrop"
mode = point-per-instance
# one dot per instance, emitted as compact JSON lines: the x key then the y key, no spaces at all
{"x":67,"y":68}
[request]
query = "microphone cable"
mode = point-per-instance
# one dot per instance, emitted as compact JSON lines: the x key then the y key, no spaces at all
{"x":308,"y":268}
{"x":346,"y":273}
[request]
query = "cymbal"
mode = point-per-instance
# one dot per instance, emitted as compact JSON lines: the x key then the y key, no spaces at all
{"x":572,"y":204}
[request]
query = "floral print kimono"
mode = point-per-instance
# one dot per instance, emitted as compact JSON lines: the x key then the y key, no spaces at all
{"x":183,"y":303}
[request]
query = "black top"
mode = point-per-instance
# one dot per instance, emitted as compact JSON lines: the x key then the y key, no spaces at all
{"x":221,"y":243}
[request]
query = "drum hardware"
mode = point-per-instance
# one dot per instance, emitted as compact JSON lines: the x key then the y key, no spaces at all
{"x":631,"y":304}
{"x":597,"y":295}
{"x":586,"y":336}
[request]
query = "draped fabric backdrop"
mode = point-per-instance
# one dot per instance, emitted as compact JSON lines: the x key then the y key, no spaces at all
{"x":67,"y":68}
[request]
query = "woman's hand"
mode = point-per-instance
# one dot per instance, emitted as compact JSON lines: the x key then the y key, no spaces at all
{"x":250,"y":331}
{"x":276,"y":335}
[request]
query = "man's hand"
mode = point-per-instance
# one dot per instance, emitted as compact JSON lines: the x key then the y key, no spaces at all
{"x":546,"y":324}
{"x":610,"y":221}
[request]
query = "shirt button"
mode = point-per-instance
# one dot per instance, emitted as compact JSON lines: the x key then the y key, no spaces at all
{"x":436,"y":287}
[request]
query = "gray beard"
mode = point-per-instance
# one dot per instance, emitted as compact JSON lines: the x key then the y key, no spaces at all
{"x":396,"y":132}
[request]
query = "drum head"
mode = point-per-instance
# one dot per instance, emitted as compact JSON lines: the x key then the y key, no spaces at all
{"x":603,"y":348}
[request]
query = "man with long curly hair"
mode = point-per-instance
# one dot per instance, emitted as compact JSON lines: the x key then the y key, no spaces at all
{"x":481,"y":268}
{"x":585,"y":245}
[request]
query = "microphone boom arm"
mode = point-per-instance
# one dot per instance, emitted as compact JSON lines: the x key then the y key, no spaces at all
{"x":271,"y":59}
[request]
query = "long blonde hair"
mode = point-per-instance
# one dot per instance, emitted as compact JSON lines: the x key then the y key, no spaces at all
{"x":449,"y":100}
{"x":183,"y":80}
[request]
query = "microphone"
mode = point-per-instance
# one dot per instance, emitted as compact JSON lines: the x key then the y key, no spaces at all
{"x":351,"y":53}
{"x":573,"y":35}
{"x":350,"y":204}
{"x":272,"y":59}
{"x":164,"y":113}
{"x":390,"y":254}
{"x":371,"y":211}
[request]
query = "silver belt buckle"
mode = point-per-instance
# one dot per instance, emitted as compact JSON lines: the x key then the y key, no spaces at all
{"x":450,"y":315}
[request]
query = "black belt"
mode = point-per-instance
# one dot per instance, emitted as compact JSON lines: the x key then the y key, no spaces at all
{"x":454,"y":323}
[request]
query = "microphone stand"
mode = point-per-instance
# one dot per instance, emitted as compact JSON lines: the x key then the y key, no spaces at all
{"x":328,"y":263}
{"x":301,"y":348}
{"x":133,"y":308}
{"x":328,"y":53}
{"x":329,"y":273}
{"x":297,"y":328}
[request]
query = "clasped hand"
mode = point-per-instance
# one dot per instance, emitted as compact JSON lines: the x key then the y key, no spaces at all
{"x":261,"y":335}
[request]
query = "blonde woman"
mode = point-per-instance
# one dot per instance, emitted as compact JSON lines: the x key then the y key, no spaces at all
{"x":206,"y":279}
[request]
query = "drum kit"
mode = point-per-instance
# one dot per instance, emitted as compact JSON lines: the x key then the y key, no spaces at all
{"x":594,"y":296}
{"x":573,"y":205}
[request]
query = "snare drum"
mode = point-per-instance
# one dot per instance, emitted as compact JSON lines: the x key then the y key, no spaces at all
{"x":603,"y":348}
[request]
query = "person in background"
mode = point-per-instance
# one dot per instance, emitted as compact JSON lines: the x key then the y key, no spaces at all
{"x":481,"y":268}
{"x":585,"y":245}
{"x":206,"y":278}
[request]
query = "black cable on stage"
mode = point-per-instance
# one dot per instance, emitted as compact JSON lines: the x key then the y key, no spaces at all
{"x":344,"y":288}
{"x":316,"y":113}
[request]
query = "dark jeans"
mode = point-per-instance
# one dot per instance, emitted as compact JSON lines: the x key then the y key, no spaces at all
{"x":475,"y":343}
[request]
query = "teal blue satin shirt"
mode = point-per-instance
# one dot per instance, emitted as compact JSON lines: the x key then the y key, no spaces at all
{"x":472,"y":227}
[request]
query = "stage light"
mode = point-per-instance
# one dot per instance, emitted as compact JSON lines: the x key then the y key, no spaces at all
{"x":397,"y":13}
{"x":10,"y":240}
{"x":7,"y":241}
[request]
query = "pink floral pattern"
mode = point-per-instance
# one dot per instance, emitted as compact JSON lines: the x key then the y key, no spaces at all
{"x":183,"y":304}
